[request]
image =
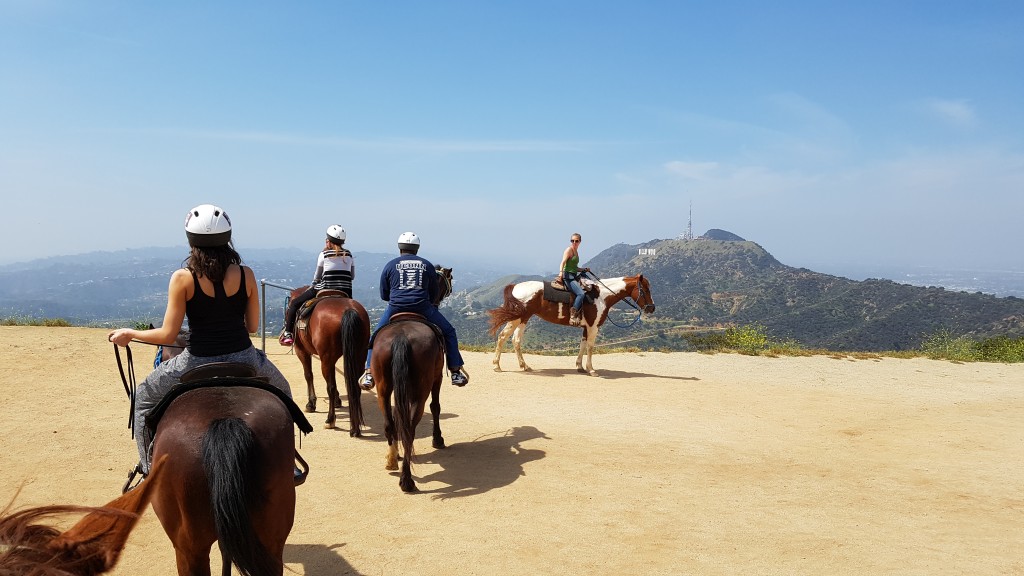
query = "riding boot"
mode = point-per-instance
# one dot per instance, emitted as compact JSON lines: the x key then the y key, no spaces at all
{"x":574,"y":317}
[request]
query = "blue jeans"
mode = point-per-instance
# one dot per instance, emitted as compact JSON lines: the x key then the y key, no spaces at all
{"x":434,"y":316}
{"x":572,"y":282}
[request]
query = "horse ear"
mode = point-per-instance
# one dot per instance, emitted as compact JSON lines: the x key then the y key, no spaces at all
{"x":103,"y":533}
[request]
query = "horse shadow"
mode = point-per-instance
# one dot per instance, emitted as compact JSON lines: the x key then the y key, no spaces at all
{"x":318,"y":559}
{"x":373,"y":420}
{"x":603,"y":374}
{"x":499,"y":461}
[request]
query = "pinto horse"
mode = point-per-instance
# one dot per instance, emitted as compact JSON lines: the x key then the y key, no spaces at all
{"x":229,"y":474}
{"x":338,"y":328}
{"x":30,"y":545}
{"x":408,"y":360}
{"x":526,"y":299}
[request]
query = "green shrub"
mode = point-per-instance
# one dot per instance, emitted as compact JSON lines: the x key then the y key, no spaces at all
{"x":943,"y":345}
{"x":751,"y":339}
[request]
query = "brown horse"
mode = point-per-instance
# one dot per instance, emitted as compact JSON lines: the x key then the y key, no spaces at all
{"x":338,"y":328}
{"x":408,"y":359}
{"x":30,"y":545}
{"x":526,"y":299}
{"x":229,"y":476}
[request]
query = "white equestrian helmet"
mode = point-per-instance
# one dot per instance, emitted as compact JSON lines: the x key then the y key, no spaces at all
{"x":409,"y":241}
{"x":207,"y":226}
{"x":336,"y":232}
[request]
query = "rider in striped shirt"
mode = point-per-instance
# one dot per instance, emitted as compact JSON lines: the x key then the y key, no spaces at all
{"x":335,"y":270}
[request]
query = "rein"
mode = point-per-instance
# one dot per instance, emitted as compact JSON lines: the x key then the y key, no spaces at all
{"x":129,"y":380}
{"x":628,"y":300}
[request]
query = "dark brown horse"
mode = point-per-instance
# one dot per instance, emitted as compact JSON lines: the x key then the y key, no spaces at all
{"x":526,"y":300}
{"x":407,"y":360}
{"x":338,"y":329}
{"x":229,"y":476}
{"x":29,"y":544}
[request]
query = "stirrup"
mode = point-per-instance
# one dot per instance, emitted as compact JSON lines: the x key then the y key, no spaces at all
{"x":128,"y":486}
{"x":301,"y":473}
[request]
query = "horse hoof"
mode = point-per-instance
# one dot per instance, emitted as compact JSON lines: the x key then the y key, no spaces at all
{"x":439,"y":444}
{"x":593,"y":373}
{"x":497,"y":368}
{"x":329,"y":425}
{"x":311,"y":407}
{"x":581,"y":370}
{"x":355,"y":434}
{"x":409,"y":488}
{"x":527,"y":368}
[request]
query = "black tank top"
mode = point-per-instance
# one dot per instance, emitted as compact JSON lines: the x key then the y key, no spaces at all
{"x":218,"y":323}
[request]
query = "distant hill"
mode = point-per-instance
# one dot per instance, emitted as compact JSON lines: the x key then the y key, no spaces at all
{"x":708,"y":283}
{"x":716,"y":280}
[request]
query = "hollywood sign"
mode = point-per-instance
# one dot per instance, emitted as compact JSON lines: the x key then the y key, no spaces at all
{"x":646,"y":251}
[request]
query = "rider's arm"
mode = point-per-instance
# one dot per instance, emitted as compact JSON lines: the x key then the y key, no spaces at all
{"x":174,"y":315}
{"x":252,"y":304}
{"x":319,"y":269}
{"x":565,"y":258}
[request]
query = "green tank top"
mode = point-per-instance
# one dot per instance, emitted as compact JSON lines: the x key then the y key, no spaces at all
{"x":572,"y":264}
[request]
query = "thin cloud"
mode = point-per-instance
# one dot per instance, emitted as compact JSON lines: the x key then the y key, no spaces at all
{"x":957,"y":113}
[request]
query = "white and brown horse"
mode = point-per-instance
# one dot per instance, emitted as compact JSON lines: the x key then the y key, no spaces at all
{"x":526,"y":299}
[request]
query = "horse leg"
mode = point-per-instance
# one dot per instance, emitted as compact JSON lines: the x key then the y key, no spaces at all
{"x":590,"y":341}
{"x":517,"y":340}
{"x":583,"y":350}
{"x":327,"y":364}
{"x":307,"y":372}
{"x":435,"y":413}
{"x":384,"y":401}
{"x":405,"y":481}
{"x":506,"y":331}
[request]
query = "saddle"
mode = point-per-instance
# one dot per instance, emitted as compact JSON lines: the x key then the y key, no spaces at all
{"x":306,"y":310}
{"x":216,"y":374}
{"x":412,"y":317}
{"x":556,"y":291}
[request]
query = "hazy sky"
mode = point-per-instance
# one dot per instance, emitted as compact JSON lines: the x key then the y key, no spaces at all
{"x":841,"y":132}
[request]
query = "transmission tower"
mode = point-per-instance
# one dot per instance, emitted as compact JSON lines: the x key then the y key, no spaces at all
{"x":689,"y":223}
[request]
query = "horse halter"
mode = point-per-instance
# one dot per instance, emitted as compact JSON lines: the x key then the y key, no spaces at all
{"x":643,"y":295}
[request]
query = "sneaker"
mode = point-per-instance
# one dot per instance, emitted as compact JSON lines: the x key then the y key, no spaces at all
{"x":287,"y":339}
{"x":459,"y":378}
{"x":366,"y":382}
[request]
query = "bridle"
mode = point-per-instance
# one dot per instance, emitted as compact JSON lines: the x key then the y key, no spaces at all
{"x":641,"y":295}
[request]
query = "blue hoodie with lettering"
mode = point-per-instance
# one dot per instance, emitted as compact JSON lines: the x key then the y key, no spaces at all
{"x":409,"y":283}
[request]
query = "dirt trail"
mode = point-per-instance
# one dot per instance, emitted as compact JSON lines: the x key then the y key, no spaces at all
{"x":667,"y":464}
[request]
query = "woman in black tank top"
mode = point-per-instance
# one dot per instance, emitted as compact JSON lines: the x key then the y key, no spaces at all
{"x":220,"y":298}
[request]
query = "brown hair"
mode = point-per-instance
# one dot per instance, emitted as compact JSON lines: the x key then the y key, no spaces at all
{"x":212,"y":263}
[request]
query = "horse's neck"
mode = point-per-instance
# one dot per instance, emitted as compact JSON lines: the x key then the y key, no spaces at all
{"x":622,"y":293}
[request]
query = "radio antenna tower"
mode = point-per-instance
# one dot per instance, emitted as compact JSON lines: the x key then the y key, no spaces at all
{"x":689,"y":224}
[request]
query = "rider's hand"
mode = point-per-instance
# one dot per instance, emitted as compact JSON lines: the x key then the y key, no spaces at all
{"x":121,"y":336}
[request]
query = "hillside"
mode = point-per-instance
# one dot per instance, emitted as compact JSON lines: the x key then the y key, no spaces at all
{"x":708,"y":283}
{"x":702,"y":284}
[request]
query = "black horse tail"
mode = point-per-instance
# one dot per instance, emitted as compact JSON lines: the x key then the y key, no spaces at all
{"x":405,"y":404}
{"x":353,"y":346}
{"x":229,"y":459}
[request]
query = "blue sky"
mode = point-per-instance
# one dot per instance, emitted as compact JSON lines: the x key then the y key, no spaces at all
{"x":848,"y":133}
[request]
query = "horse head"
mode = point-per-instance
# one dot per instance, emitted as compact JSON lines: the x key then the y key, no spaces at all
{"x":444,"y":281}
{"x":642,"y":295}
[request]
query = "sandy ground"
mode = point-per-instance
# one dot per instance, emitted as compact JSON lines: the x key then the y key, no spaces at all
{"x":667,"y":464}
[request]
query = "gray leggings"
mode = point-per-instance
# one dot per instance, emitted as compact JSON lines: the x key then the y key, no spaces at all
{"x":166,"y":375}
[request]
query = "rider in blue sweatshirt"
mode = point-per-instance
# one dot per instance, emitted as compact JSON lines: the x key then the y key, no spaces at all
{"x":408,"y":283}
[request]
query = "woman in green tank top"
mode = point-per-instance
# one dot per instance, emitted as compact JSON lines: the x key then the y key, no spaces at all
{"x":569,"y":272}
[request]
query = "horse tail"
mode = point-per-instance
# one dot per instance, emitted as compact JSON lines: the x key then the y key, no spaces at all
{"x":352,"y":343}
{"x":511,"y":309}
{"x":405,"y":403}
{"x":230,"y":462}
